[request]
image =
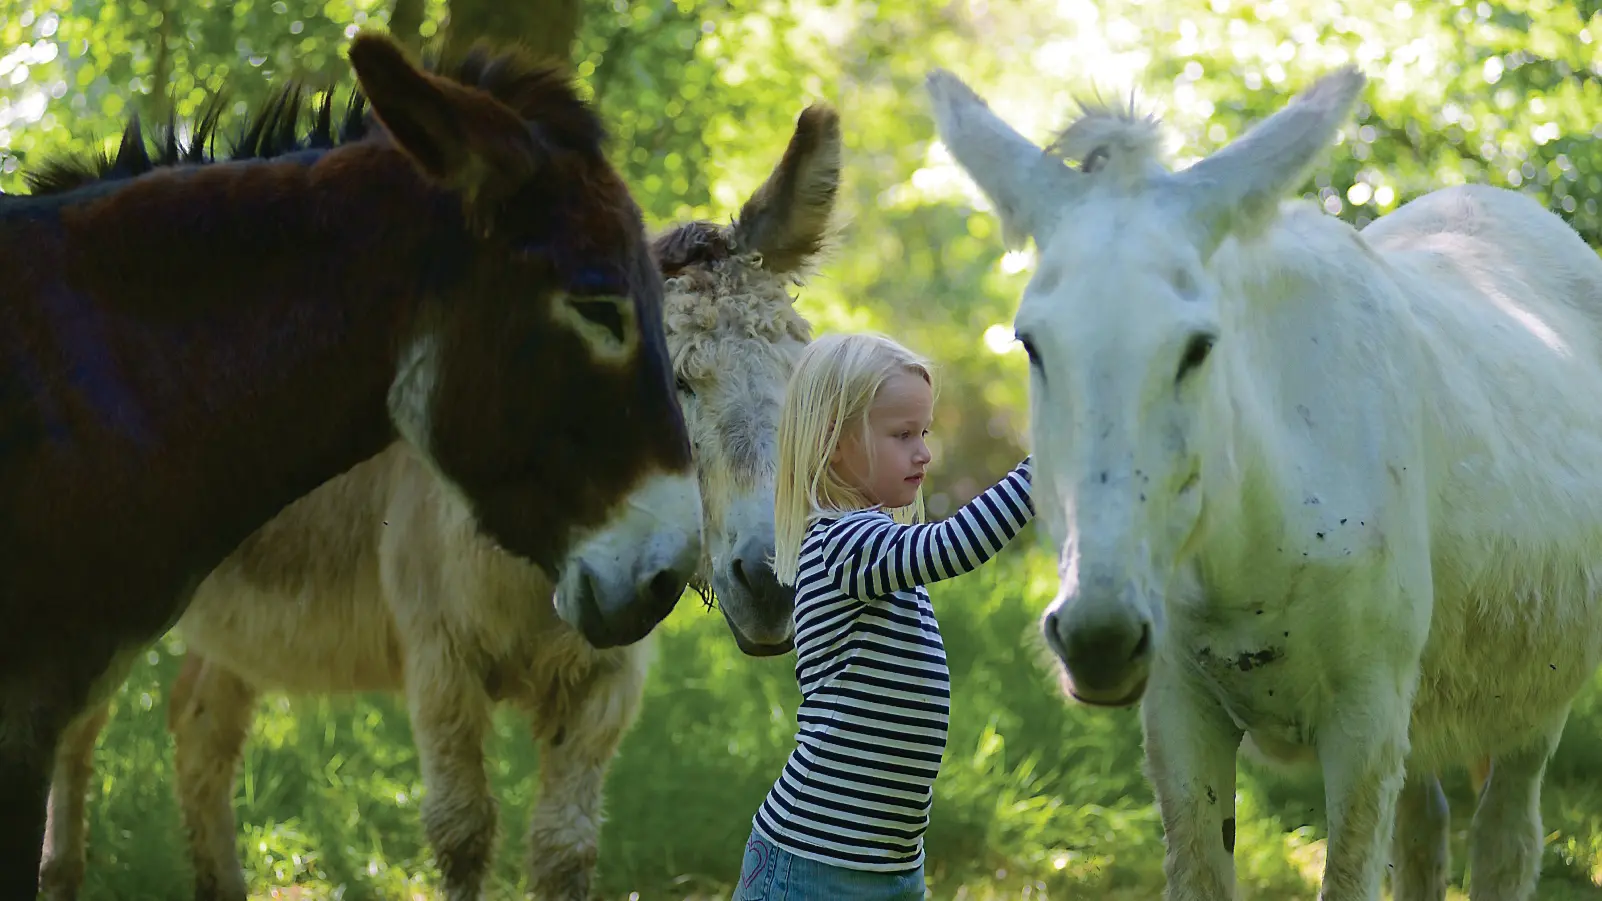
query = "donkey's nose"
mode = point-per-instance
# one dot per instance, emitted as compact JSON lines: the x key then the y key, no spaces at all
{"x":759,"y":608}
{"x":658,"y":587}
{"x":654,"y":596}
{"x":1106,"y":649}
{"x":1104,"y":654}
{"x":665,"y":587}
{"x":752,"y":573}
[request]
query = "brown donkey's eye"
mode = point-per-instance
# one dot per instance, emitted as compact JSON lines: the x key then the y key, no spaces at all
{"x":604,"y":313}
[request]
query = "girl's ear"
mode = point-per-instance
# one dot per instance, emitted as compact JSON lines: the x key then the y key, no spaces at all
{"x":830,"y":437}
{"x":849,"y":433}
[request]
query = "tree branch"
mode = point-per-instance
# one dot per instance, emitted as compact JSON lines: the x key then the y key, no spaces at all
{"x":406,"y":22}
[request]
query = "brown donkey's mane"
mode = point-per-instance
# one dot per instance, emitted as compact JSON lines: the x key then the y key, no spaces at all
{"x":534,"y":90}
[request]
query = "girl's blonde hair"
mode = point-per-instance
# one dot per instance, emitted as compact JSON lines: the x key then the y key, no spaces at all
{"x":831,"y":390}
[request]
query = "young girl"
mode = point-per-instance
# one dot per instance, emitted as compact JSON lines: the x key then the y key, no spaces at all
{"x":846,"y":817}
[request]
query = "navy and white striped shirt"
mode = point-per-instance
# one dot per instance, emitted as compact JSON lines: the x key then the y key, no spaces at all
{"x":875,"y":691}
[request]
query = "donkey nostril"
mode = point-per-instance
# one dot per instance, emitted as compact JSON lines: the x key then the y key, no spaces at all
{"x":664,"y":586}
{"x":1053,"y":635}
{"x":1144,"y":644}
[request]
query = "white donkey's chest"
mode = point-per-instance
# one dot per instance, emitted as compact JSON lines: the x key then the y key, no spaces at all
{"x":1264,"y":668}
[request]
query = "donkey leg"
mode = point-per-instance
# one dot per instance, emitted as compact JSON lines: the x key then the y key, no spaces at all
{"x":62,"y":869}
{"x":450,"y":715}
{"x":1505,"y":838}
{"x":27,"y":743}
{"x":210,"y":716}
{"x":1363,"y":746}
{"x":1420,"y":859}
{"x":1191,"y":745}
{"x":564,"y":838}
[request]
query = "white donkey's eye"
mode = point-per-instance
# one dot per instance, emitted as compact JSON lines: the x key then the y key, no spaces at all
{"x":1029,"y":349}
{"x":1196,"y":351}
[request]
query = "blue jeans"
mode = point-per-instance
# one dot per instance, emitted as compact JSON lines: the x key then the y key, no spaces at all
{"x":772,"y":874}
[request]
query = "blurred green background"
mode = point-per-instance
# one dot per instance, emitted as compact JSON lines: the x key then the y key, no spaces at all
{"x":1038,"y":798}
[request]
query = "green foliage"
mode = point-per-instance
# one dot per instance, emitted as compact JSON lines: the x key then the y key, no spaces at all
{"x":77,"y":69}
{"x":1034,"y":793}
{"x":1505,"y":93}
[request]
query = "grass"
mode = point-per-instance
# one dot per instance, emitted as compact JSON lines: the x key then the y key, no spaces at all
{"x":1037,"y":798}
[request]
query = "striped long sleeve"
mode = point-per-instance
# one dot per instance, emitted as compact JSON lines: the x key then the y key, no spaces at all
{"x":868,"y":555}
{"x":875,"y":689}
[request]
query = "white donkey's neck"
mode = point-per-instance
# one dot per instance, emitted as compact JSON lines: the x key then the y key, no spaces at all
{"x":1278,"y":327}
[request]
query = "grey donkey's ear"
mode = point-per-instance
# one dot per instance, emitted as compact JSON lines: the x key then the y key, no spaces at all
{"x":787,"y":220}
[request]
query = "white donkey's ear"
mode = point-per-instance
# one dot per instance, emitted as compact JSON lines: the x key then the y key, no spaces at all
{"x":1028,"y":186}
{"x":1238,"y":189}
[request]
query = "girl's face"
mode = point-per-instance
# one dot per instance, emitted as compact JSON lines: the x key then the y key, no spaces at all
{"x":887,"y":463}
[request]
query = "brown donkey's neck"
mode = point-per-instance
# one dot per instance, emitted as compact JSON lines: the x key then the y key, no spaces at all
{"x":191,"y":351}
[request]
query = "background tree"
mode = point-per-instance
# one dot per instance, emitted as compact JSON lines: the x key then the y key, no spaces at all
{"x":546,"y":27}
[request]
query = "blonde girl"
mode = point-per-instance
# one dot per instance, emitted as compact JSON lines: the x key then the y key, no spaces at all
{"x":846,"y":817}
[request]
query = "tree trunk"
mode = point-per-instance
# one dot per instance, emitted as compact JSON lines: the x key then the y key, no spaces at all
{"x":162,"y":106}
{"x":406,"y":22}
{"x":545,"y":27}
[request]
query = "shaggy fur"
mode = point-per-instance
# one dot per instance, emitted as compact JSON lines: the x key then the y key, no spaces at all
{"x":1363,"y":531}
{"x":378,"y":581}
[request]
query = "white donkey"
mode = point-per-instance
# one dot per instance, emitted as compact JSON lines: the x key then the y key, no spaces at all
{"x":1339,"y":491}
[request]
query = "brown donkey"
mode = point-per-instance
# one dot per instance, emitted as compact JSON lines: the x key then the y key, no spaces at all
{"x":377,"y":581}
{"x":472,"y":276}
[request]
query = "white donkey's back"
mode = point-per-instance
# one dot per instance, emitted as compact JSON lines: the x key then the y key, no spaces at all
{"x":1507,"y":303}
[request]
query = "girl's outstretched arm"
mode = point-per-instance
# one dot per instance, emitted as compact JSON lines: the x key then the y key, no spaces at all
{"x":869,"y":555}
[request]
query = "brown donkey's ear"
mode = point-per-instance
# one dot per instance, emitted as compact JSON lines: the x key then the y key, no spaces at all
{"x":787,"y":219}
{"x":459,"y":136}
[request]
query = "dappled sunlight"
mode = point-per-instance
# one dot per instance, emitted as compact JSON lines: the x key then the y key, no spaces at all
{"x":1016,"y":261}
{"x":1306,"y":855}
{"x":1533,"y":324}
{"x":1456,"y":247}
{"x":1000,"y":339}
{"x":939,"y":179}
